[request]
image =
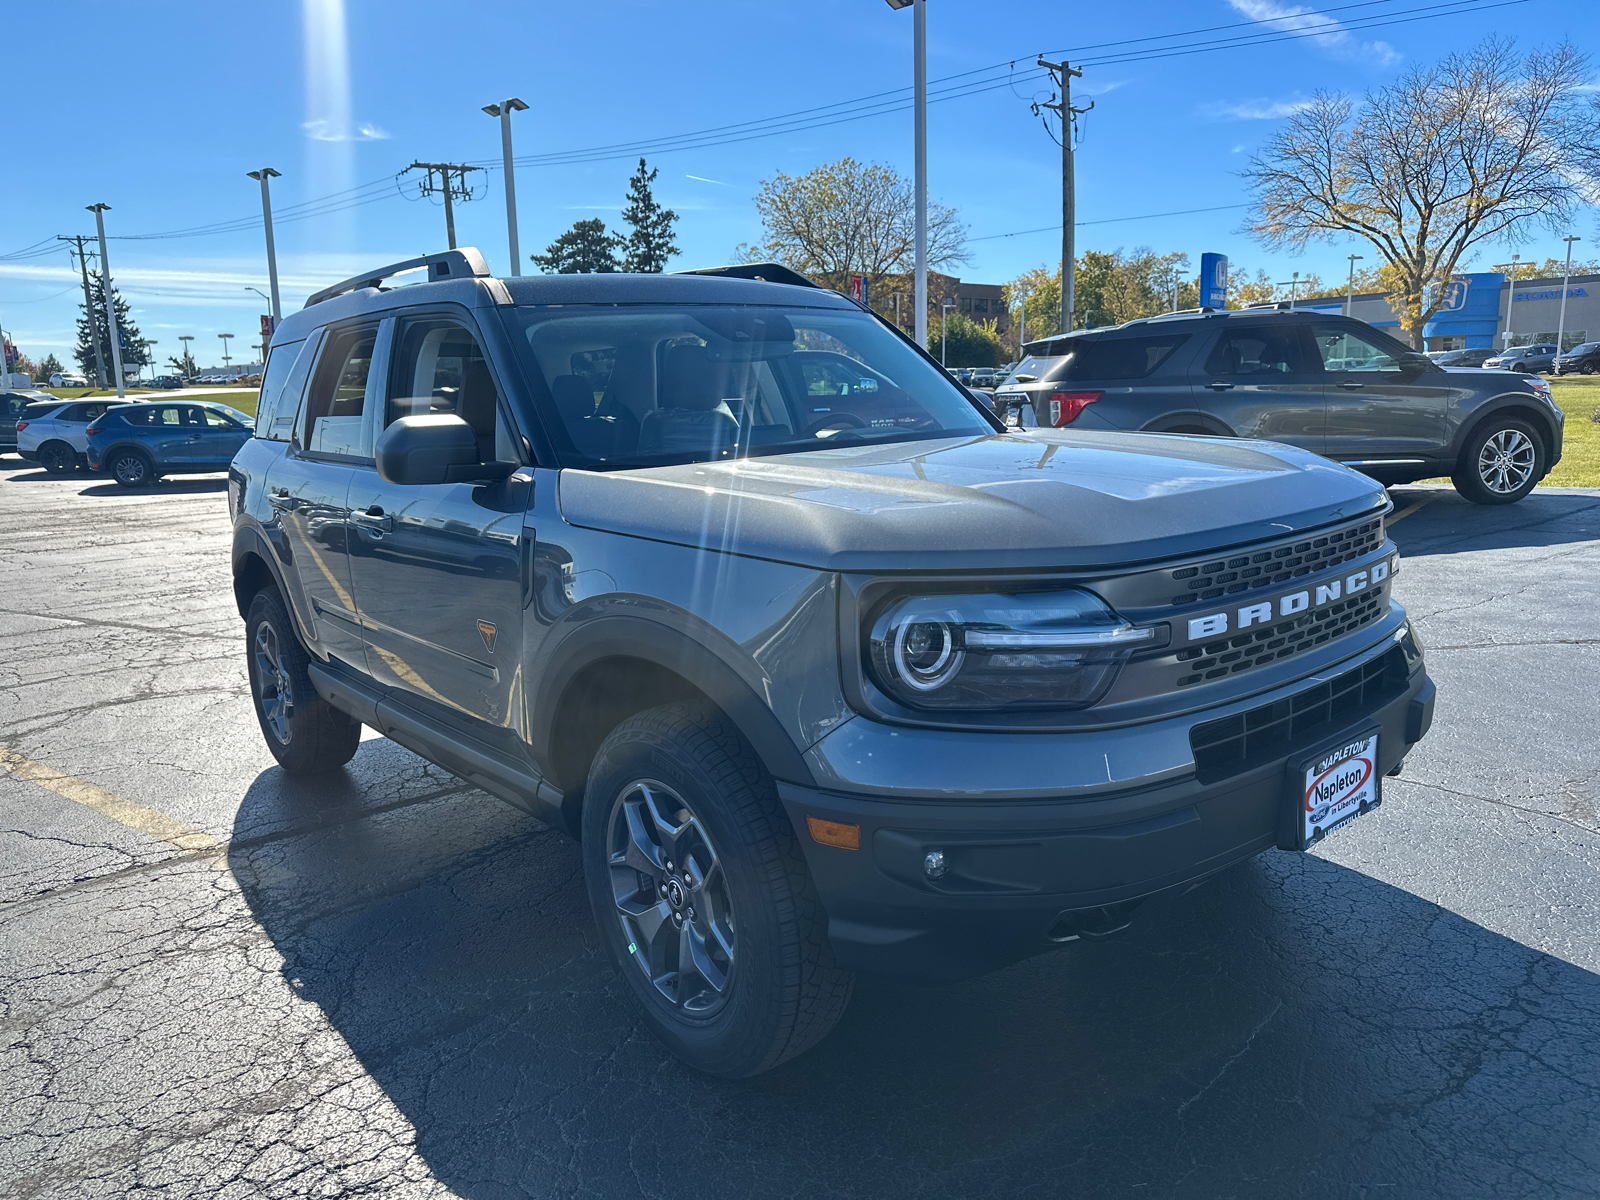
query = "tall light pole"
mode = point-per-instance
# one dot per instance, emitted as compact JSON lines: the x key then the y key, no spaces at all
{"x":503,"y":110}
{"x":99,"y":211}
{"x":1511,"y":298}
{"x":945,"y":306}
{"x":1566,"y":279}
{"x":225,"y":359}
{"x":186,"y":338}
{"x":263,"y":175}
{"x":919,"y":77}
{"x":1350,"y":287}
{"x":147,"y":343}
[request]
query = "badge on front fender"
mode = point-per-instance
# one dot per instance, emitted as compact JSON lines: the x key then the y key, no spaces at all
{"x":1339,"y":783}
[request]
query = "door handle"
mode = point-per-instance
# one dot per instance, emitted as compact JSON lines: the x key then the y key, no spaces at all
{"x":1219,"y":385}
{"x":278,"y":498}
{"x":374,"y":519}
{"x":1351,"y":385}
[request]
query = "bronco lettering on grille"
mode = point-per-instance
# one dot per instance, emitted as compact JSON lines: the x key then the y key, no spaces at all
{"x":1263,"y":613}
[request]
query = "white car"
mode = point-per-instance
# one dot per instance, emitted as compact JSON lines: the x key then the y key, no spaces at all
{"x":68,"y":379}
{"x":54,"y":434}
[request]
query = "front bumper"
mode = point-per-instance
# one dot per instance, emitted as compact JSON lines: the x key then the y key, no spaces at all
{"x":1022,"y":875}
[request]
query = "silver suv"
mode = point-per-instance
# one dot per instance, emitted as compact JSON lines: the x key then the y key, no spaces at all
{"x":54,"y":434}
{"x":721,"y":575}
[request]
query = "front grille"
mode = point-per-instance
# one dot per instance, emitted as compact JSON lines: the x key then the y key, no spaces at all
{"x":1276,"y":564}
{"x":1229,"y":656}
{"x":1233,"y":744}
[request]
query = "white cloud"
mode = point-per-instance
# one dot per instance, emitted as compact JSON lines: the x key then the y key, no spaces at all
{"x":330,"y":131}
{"x":1330,"y":34}
{"x":1255,"y":110}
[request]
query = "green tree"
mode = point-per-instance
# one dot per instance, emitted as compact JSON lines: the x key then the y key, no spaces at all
{"x":183,"y":363}
{"x":965,"y":342}
{"x":47,"y":367}
{"x":650,"y":244}
{"x":585,"y":249}
{"x":1481,"y":148}
{"x":129,"y":338}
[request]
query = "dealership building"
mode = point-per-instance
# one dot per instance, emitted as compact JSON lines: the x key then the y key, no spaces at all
{"x":1483,"y":311}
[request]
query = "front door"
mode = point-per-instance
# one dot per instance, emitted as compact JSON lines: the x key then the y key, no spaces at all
{"x":1378,"y":407}
{"x":438,"y":569}
{"x":221,"y":437}
{"x":308,"y":489}
{"x":1259,"y":380}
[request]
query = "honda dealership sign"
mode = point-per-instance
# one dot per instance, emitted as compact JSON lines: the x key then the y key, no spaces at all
{"x":1213,"y":281}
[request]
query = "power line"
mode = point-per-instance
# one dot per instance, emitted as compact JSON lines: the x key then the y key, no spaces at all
{"x":1181,"y":212}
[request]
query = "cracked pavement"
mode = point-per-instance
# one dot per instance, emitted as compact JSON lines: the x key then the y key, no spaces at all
{"x":386,"y":983}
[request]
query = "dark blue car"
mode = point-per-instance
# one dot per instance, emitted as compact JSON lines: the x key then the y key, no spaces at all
{"x":139,"y":443}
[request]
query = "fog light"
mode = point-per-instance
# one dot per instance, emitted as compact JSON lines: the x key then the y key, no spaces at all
{"x":933,"y":864}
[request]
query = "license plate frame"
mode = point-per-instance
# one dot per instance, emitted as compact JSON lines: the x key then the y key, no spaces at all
{"x":1329,"y":789}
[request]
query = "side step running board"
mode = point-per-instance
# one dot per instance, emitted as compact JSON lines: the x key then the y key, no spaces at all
{"x":463,"y":756}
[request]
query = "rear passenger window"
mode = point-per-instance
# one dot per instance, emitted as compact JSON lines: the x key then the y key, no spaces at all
{"x":1123,"y":357}
{"x":1255,"y":350}
{"x":440,"y":368}
{"x":168,"y":415}
{"x":334,"y":408}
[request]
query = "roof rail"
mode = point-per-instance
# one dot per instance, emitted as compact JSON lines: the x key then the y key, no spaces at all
{"x":1280,"y":305}
{"x":465,"y":263}
{"x":768,"y":272}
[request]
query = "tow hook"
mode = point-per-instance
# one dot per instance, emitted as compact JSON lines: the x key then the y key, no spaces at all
{"x":1092,"y":923}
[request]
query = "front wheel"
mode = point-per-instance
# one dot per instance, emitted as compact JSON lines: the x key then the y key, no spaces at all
{"x":306,"y":734}
{"x":1500,"y":463}
{"x":702,"y":895}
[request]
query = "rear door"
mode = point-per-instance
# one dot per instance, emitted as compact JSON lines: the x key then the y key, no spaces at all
{"x":73,"y":422}
{"x":308,"y":486}
{"x":438,"y":569}
{"x":1379,"y":409}
{"x":1261,"y":381}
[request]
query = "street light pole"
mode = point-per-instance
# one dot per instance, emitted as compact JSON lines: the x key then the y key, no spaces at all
{"x":503,"y":110}
{"x":147,"y":343}
{"x":1566,"y":280}
{"x":919,"y":88}
{"x":225,"y":359}
{"x":1350,"y":287}
{"x":186,"y":338}
{"x":263,"y":175}
{"x":1511,"y":298}
{"x":105,"y":286}
{"x":944,"y":309}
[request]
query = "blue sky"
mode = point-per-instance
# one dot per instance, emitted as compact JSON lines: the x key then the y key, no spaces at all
{"x":174,"y":102}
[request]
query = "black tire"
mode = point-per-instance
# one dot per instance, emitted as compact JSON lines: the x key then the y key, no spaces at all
{"x":781,"y":991}
{"x":306,"y":734}
{"x":57,"y":458}
{"x":132,"y":468}
{"x":1501,"y":461}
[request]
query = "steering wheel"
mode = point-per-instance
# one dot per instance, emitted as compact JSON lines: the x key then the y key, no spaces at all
{"x":838,"y":422}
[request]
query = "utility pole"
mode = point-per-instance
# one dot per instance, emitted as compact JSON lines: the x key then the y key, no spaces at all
{"x":99,"y":211}
{"x":1063,"y":74}
{"x":1566,"y":281}
{"x":263,"y":175}
{"x":1350,"y":287}
{"x":88,"y":307}
{"x":1292,"y":284}
{"x":448,"y":187}
{"x":503,"y":110}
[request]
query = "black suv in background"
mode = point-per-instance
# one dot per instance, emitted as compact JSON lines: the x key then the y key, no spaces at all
{"x":1325,"y":383}
{"x":1580,"y":360}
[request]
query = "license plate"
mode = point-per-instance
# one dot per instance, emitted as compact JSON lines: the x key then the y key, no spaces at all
{"x":1338,"y":784}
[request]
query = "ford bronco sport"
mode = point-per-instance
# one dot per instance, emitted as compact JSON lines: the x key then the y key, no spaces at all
{"x":720,"y":574}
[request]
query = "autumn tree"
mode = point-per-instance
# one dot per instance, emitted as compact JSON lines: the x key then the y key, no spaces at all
{"x":1482,"y":147}
{"x":845,"y":218}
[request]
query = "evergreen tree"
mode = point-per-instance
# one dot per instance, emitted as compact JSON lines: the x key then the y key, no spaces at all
{"x":585,"y":249}
{"x":651,"y":242}
{"x":129,"y":338}
{"x":48,"y":366}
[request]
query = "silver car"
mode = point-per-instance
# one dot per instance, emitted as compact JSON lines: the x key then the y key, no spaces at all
{"x":54,"y":433}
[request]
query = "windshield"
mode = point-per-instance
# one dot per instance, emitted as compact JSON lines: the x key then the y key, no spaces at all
{"x":242,"y":418}
{"x":645,"y":385}
{"x":1586,"y":348}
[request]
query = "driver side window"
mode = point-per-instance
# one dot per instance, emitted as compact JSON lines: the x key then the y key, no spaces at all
{"x":1344,"y":350}
{"x":439,"y":367}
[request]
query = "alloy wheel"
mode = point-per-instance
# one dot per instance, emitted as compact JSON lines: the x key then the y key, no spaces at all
{"x":1506,"y":461}
{"x":56,"y":459}
{"x":129,"y":469}
{"x":274,"y":695}
{"x":671,"y":897}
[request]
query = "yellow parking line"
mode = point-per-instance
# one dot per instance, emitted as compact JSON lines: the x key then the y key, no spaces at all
{"x":1407,"y":511}
{"x":125,"y":812}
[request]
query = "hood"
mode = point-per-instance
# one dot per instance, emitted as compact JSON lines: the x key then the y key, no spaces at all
{"x":1045,"y":499}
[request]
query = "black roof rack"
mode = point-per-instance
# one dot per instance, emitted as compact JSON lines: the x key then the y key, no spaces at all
{"x":768,"y":272}
{"x":465,"y":263}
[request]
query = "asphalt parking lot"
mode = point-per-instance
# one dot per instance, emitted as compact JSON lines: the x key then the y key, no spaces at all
{"x":217,"y":981}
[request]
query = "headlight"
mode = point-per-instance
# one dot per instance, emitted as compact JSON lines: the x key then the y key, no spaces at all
{"x":1031,"y":650}
{"x":1538,"y":385}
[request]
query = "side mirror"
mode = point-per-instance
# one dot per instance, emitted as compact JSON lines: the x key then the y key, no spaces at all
{"x":433,"y":448}
{"x":1414,"y":362}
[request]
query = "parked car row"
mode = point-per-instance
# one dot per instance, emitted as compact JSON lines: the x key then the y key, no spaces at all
{"x":1537,"y":359}
{"x":137,"y":442}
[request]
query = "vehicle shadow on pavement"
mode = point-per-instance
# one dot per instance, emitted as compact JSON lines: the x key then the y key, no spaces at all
{"x":1292,"y":1027}
{"x":166,"y":487}
{"x":1448,"y":524}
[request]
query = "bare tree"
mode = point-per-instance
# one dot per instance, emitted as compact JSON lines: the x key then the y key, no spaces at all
{"x":847,"y":217}
{"x":1481,"y":147}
